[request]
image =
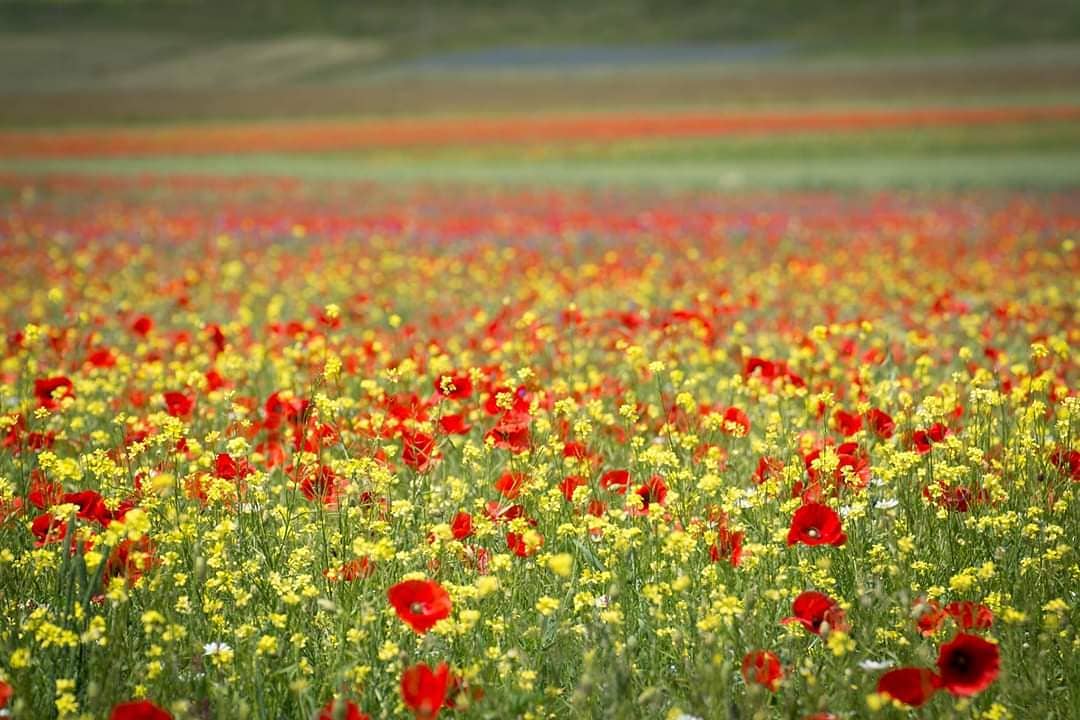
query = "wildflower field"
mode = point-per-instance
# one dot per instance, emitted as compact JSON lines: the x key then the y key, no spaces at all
{"x":298,"y":449}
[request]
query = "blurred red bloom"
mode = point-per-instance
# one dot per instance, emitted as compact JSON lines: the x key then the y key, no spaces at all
{"x":48,"y":529}
{"x":910,"y":685}
{"x":51,"y":390}
{"x":43,"y":494}
{"x":736,"y":418}
{"x":1067,"y":463}
{"x":728,"y":545}
{"x":922,"y":440}
{"x":516,"y":543}
{"x":101,"y":358}
{"x":654,"y":491}
{"x":344,"y":710}
{"x":882,"y":425}
{"x":424,"y":690}
{"x":512,"y":432}
{"x":142,"y":325}
{"x":848,"y":423}
{"x":323,"y":485}
{"x":930,"y":617}
{"x":227,"y":468}
{"x":455,"y":387}
{"x":130,"y":559}
{"x":139,"y":710}
{"x":968,"y":664}
{"x":178,"y":404}
{"x":454,"y":424}
{"x":812,"y":609}
{"x":509,"y":484}
{"x":816,"y":524}
{"x":767,"y":468}
{"x":762,"y":667}
{"x":569,"y":484}
{"x":420,"y":603}
{"x":5,"y":694}
{"x":352,"y":570}
{"x":616,"y":481}
{"x":462,"y":525}
{"x":970,"y":615}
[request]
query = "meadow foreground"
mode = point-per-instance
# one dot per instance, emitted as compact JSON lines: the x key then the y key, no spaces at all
{"x":278,"y":449}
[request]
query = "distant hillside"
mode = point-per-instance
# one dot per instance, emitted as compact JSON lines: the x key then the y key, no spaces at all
{"x":413,"y":28}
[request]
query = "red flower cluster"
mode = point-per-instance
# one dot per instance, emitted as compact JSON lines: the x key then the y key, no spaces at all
{"x":967,"y":665}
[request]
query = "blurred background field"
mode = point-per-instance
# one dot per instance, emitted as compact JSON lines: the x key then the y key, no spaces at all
{"x":84,"y":67}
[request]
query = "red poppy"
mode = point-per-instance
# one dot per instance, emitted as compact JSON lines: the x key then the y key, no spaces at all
{"x":762,"y":667}
{"x":10,"y":509}
{"x":816,"y":524}
{"x":519,"y":399}
{"x":728,"y":545}
{"x":478,"y":557}
{"x":616,"y":481}
{"x":930,"y":617}
{"x":323,"y":485}
{"x":736,"y":422}
{"x":462,"y":525}
{"x":178,"y":404}
{"x":970,"y":615}
{"x":420,"y":603}
{"x":812,"y":609}
{"x":48,"y":529}
{"x":881,"y":423}
{"x":43,"y":494}
{"x":455,"y":387}
{"x":1067,"y":463}
{"x":509,"y":484}
{"x":424,"y":690}
{"x":142,"y":325}
{"x":341,"y":710}
{"x":968,"y":664}
{"x":138,"y":710}
{"x":910,"y":685}
{"x":511,"y":432}
{"x":569,"y":484}
{"x":418,"y":450}
{"x":848,"y":423}
{"x":654,"y":491}
{"x":497,"y":513}
{"x":130,"y":559}
{"x":922,"y":440}
{"x":6,"y":692}
{"x":516,"y":543}
{"x":578,"y":451}
{"x":91,"y":506}
{"x":101,"y":358}
{"x":51,"y":390}
{"x":454,"y":424}
{"x":767,"y":468}
{"x":227,"y":468}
